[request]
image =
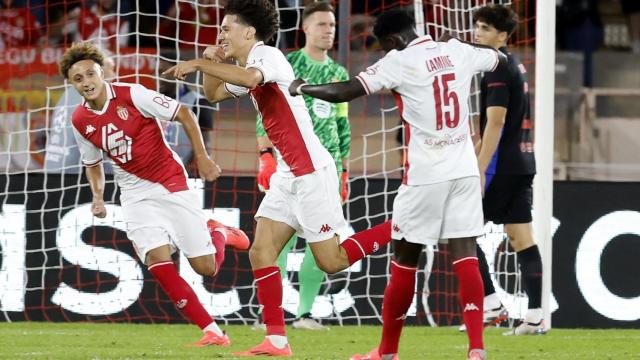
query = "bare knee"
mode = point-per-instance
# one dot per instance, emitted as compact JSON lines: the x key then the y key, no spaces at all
{"x":261,"y":256}
{"x":203,"y":265}
{"x":462,"y":247}
{"x":329,"y":266}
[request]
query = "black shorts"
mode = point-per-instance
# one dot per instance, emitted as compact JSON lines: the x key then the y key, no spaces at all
{"x":508,"y":199}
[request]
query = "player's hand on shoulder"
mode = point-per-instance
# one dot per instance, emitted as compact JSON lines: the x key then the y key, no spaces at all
{"x":208,"y":169}
{"x":214,"y":53}
{"x":98,"y":209}
{"x":294,"y":88}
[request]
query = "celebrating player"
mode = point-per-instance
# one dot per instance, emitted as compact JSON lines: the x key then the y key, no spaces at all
{"x":303,"y":195}
{"x":440,"y":196}
{"x":331,"y":125}
{"x":160,"y":210}
{"x":507,"y":162}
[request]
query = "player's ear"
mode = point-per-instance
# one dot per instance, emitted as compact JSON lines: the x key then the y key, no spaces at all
{"x":250,"y":33}
{"x":502,"y":36}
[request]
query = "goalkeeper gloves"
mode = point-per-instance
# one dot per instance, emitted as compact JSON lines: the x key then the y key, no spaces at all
{"x":344,"y":188}
{"x":267,"y":168}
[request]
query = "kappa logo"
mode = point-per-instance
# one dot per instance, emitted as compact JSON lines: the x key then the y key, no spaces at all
{"x":325,"y":228}
{"x":396,"y":228}
{"x":182,"y":303}
{"x":470,"y":307}
{"x":376,"y":246}
{"x":122,"y":112}
{"x":89,"y":130}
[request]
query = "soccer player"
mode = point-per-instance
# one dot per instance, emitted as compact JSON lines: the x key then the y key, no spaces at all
{"x":330,"y":123}
{"x":303,"y":194}
{"x":507,"y":163}
{"x":62,"y":155}
{"x":440,"y":195}
{"x":161,"y":212}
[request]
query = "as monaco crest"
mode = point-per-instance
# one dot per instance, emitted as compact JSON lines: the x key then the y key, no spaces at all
{"x":122,"y":112}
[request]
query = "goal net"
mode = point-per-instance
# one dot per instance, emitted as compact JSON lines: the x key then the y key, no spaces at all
{"x":59,"y":263}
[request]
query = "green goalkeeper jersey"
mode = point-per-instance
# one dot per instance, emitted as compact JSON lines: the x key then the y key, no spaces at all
{"x":329,"y":120}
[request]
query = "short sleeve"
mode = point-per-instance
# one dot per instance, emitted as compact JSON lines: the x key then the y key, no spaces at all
{"x":482,"y":59}
{"x":266,"y":61}
{"x":384,"y":74}
{"x":497,"y":87}
{"x":89,"y":153}
{"x":152,"y":104}
{"x":235,"y":90}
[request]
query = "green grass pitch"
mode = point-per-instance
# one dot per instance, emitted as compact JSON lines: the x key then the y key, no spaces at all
{"x":31,"y":340}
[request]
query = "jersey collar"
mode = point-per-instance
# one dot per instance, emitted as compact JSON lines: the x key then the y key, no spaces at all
{"x":110,"y":95}
{"x":426,"y":39}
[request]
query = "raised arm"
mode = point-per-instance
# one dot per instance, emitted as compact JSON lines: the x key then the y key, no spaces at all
{"x":336,"y":92}
{"x":502,"y":58}
{"x":232,"y":74}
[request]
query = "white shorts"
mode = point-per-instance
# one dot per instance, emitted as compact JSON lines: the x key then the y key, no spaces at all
{"x":427,"y":214}
{"x":174,"y":219}
{"x":310,"y":204}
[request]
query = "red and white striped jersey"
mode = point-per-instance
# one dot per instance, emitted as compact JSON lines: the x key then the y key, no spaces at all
{"x":128,"y":130}
{"x":285,"y":118}
{"x":431,"y":82}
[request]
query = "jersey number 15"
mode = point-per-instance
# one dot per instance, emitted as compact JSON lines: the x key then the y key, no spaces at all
{"x":452,"y":116}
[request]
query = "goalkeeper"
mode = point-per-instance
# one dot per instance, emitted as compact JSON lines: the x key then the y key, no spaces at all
{"x":330,"y":124}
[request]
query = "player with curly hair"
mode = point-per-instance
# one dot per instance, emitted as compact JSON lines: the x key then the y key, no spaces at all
{"x":303,"y":196}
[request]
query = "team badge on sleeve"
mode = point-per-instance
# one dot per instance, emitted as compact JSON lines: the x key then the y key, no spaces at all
{"x":122,"y":112}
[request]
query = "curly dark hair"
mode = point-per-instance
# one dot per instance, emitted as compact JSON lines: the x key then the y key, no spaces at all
{"x":77,"y":52}
{"x":499,"y":16}
{"x":395,"y":21}
{"x":261,"y":14}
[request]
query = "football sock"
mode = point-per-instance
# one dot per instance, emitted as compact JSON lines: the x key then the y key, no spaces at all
{"x":310,"y":277}
{"x":531,"y":267}
{"x":180,"y":293}
{"x":484,"y":271}
{"x":366,"y":242}
{"x":278,"y":341}
{"x":269,"y":284}
{"x":471,"y":298}
{"x":218,"y":239}
{"x":213,"y":327}
{"x":395,"y":304}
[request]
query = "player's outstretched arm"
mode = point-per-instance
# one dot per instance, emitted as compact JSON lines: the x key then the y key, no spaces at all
{"x":207,"y":168}
{"x":502,"y":58}
{"x":95,"y":175}
{"x":232,"y":74}
{"x":336,"y":92}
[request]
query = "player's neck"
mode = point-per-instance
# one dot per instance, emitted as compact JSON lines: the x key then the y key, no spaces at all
{"x":315,"y":53}
{"x":243,"y":54}
{"x":98,"y":103}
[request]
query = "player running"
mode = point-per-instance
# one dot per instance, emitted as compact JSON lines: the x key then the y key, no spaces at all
{"x":440,"y":195}
{"x":330,"y":123}
{"x":161,"y":212}
{"x":507,"y":162}
{"x":303,"y":196}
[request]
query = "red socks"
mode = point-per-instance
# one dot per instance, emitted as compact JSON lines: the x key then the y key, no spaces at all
{"x":397,"y":299}
{"x":368,"y":241}
{"x":471,"y":292}
{"x":180,"y":293}
{"x":218,"y":240}
{"x":269,"y":284}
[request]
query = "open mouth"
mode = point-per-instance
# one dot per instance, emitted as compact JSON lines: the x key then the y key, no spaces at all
{"x":90,"y":92}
